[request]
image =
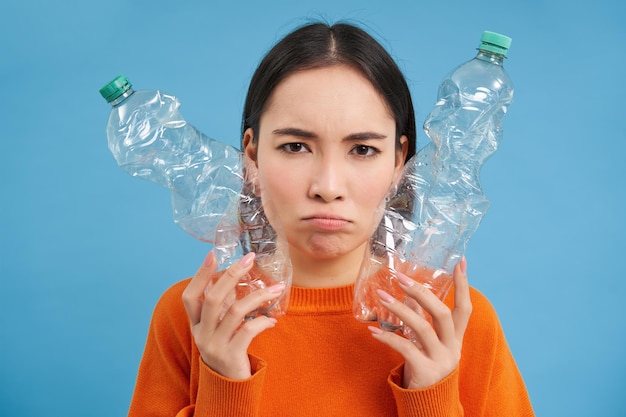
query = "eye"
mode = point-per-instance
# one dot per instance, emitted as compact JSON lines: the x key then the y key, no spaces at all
{"x":364,"y":150}
{"x":293,"y":147}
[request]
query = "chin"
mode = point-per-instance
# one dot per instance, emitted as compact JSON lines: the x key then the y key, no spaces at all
{"x":325,"y":247}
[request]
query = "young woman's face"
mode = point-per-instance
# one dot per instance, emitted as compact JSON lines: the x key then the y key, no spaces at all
{"x":326,"y":155}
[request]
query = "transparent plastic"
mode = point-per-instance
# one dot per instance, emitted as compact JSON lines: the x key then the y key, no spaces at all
{"x":430,"y":216}
{"x":214,"y":192}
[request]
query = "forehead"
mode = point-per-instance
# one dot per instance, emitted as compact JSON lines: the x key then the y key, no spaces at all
{"x":338,"y":90}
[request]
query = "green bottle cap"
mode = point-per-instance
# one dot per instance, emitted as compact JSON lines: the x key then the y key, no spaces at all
{"x":495,"y":42}
{"x":115,"y":88}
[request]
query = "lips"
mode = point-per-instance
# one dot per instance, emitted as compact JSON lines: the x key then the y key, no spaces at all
{"x":327,"y":222}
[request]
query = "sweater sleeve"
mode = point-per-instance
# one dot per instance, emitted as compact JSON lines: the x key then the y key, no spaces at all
{"x":219,"y":396}
{"x":487,"y":381}
{"x":174,"y":381}
{"x":439,"y":400}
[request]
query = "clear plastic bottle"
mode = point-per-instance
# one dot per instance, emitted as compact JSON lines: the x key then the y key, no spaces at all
{"x":429,"y":217}
{"x":214,"y":192}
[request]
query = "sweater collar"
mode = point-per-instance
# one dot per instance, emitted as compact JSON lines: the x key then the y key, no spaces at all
{"x":330,"y":300}
{"x":321,"y":300}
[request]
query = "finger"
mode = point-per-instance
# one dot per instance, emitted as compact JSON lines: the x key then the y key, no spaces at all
{"x":194,"y":293}
{"x":462,"y":303}
{"x":238,"y":312}
{"x":424,"y":332}
{"x":440,"y":313}
{"x":252,"y":329}
{"x":221,"y":294}
{"x":400,"y":344}
{"x":233,"y":274}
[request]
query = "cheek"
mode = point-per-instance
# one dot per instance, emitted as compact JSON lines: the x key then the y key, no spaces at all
{"x":277,"y":187}
{"x":374,"y":186}
{"x":276,"y":182}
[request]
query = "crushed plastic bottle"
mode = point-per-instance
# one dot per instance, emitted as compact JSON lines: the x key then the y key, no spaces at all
{"x":429,"y":217}
{"x":214,"y":192}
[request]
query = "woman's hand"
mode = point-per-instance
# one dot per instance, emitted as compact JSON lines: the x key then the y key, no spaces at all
{"x":218,"y":327}
{"x":438,"y":349}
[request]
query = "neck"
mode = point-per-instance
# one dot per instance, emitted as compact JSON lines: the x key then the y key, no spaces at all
{"x":313,"y":272}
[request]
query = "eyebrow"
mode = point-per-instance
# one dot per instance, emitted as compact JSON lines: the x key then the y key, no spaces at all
{"x":293,"y":131}
{"x":305,"y":134}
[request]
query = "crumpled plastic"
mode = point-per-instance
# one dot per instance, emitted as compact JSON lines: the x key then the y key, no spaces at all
{"x":428,"y":218}
{"x":215,"y":194}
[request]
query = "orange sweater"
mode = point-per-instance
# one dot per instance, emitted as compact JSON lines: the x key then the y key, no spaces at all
{"x":320,"y":361}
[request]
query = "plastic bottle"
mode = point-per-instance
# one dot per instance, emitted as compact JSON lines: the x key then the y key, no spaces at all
{"x":429,"y":217}
{"x":214,"y":192}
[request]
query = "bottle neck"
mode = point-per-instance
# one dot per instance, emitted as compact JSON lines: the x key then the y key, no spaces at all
{"x":491,"y":57}
{"x":122,"y":98}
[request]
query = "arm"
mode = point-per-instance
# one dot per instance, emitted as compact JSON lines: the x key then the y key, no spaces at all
{"x":484,"y":382}
{"x":427,"y":383}
{"x":218,"y":321}
{"x":486,"y":358}
{"x":164,"y":377}
{"x":173,"y":378}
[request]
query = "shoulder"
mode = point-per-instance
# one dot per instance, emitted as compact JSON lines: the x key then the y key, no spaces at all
{"x":484,"y":325}
{"x":172,"y":297}
{"x":484,"y":322}
{"x":169,"y":314}
{"x":481,"y":306}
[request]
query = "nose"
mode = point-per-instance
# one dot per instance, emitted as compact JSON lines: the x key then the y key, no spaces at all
{"x":328,"y":182}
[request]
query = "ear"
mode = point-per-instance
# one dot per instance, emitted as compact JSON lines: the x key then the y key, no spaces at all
{"x":401,"y":155}
{"x":250,"y":145}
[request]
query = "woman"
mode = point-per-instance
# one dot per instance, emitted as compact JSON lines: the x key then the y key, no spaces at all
{"x":329,"y":123}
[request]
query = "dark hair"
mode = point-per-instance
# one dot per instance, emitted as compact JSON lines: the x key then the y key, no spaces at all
{"x":319,"y":45}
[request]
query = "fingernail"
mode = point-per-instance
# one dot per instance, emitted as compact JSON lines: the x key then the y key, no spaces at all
{"x":210,"y":258}
{"x":404,"y":280}
{"x":273,"y":320}
{"x":246,"y":260}
{"x":385,"y":296}
{"x":375,"y":330}
{"x":277,"y":288}
{"x":464,"y":265}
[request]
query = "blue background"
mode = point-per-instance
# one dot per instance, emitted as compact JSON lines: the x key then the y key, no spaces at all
{"x":86,"y":250}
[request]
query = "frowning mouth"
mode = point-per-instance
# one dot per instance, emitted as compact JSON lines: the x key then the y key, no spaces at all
{"x":327,"y":222}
